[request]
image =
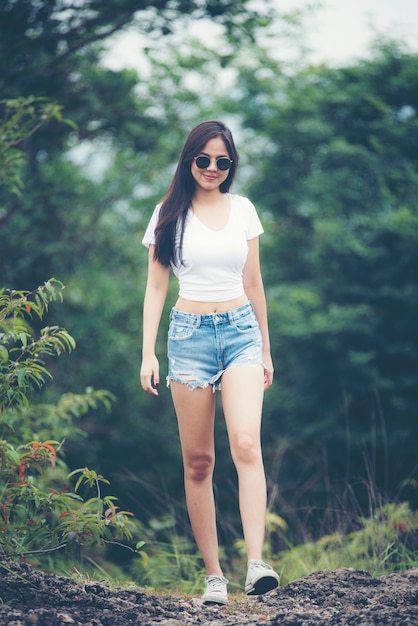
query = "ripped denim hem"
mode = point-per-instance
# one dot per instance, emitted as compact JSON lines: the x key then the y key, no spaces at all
{"x":192,"y":383}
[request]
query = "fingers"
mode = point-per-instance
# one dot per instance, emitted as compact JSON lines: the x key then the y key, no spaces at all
{"x":146,"y":384}
{"x":268,"y":378}
{"x":147,"y":377}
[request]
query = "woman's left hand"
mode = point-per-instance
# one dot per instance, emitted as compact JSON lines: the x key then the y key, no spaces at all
{"x":268,"y":373}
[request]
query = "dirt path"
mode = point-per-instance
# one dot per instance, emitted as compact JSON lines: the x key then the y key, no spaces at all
{"x":345,"y":597}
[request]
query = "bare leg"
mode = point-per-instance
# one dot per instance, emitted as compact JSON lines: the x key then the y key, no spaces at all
{"x":242,"y":398}
{"x":196,"y":415}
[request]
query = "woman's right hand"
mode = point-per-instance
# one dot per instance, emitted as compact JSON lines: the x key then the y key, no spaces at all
{"x":150,"y":375}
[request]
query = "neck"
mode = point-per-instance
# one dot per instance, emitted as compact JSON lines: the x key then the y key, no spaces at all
{"x":207,"y":197}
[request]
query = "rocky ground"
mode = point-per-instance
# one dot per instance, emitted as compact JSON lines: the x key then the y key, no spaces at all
{"x":345,"y":597}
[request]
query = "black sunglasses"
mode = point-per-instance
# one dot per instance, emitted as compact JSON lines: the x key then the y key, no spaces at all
{"x":222,"y":163}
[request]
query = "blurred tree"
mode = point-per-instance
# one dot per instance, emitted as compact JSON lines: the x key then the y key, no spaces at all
{"x":329,"y":158}
{"x":52,"y":49}
{"x":337,"y":178}
{"x":88,"y":194}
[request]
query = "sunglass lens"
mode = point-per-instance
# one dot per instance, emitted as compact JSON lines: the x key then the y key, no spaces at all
{"x":202,"y":162}
{"x":223,"y":163}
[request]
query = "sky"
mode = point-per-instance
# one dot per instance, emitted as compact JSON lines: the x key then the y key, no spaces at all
{"x":340,"y":31}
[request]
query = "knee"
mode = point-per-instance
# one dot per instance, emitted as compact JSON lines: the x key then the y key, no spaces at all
{"x":246,"y":450}
{"x":199,"y":467}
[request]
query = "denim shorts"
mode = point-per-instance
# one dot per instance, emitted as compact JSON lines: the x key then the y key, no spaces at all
{"x":201,"y":347}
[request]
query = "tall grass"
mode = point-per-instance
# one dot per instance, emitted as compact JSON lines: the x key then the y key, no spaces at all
{"x":377,"y":535}
{"x":383,"y":542}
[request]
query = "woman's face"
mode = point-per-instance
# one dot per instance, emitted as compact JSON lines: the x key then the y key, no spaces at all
{"x":211,"y":177}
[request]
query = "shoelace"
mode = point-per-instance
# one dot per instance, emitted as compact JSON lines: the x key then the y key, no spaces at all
{"x":259,"y":565}
{"x":216,"y":583}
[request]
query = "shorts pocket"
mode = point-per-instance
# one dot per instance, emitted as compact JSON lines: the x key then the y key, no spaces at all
{"x":179,"y":330}
{"x":246,"y":322}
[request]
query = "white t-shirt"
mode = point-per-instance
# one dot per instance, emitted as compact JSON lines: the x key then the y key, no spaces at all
{"x":213,"y":261}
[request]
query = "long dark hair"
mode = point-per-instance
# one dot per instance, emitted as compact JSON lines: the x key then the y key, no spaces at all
{"x":177,"y":200}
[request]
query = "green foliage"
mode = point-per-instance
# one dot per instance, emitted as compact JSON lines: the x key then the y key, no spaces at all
{"x":26,"y":371}
{"x":39,"y":513}
{"x":336,"y":183}
{"x":20,"y":119}
{"x":383,"y":543}
{"x":329,"y":158}
{"x":171,"y":562}
{"x":52,"y":49}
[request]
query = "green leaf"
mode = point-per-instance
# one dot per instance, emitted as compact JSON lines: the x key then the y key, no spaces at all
{"x":4,"y":354}
{"x":21,"y":376}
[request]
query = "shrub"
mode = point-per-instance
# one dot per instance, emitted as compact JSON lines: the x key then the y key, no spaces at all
{"x":41,"y":516}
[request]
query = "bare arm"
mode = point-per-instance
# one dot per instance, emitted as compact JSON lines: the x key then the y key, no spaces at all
{"x":154,"y":299}
{"x":254,"y":288}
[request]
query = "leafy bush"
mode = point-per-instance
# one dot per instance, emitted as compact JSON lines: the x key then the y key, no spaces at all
{"x":40,"y":515}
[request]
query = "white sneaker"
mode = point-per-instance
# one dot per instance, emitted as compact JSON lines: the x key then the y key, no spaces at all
{"x":260,"y":578}
{"x":216,"y":592}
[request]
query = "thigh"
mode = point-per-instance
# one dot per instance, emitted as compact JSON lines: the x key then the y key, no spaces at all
{"x":242,"y":400}
{"x":195,"y":410}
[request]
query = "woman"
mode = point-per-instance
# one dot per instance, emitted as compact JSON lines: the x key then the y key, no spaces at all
{"x":218,"y":333}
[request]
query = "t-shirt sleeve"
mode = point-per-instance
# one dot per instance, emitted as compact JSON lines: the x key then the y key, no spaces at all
{"x":149,"y":235}
{"x":254,"y":226}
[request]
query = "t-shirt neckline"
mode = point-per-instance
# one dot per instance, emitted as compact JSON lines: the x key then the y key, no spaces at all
{"x":211,"y":230}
